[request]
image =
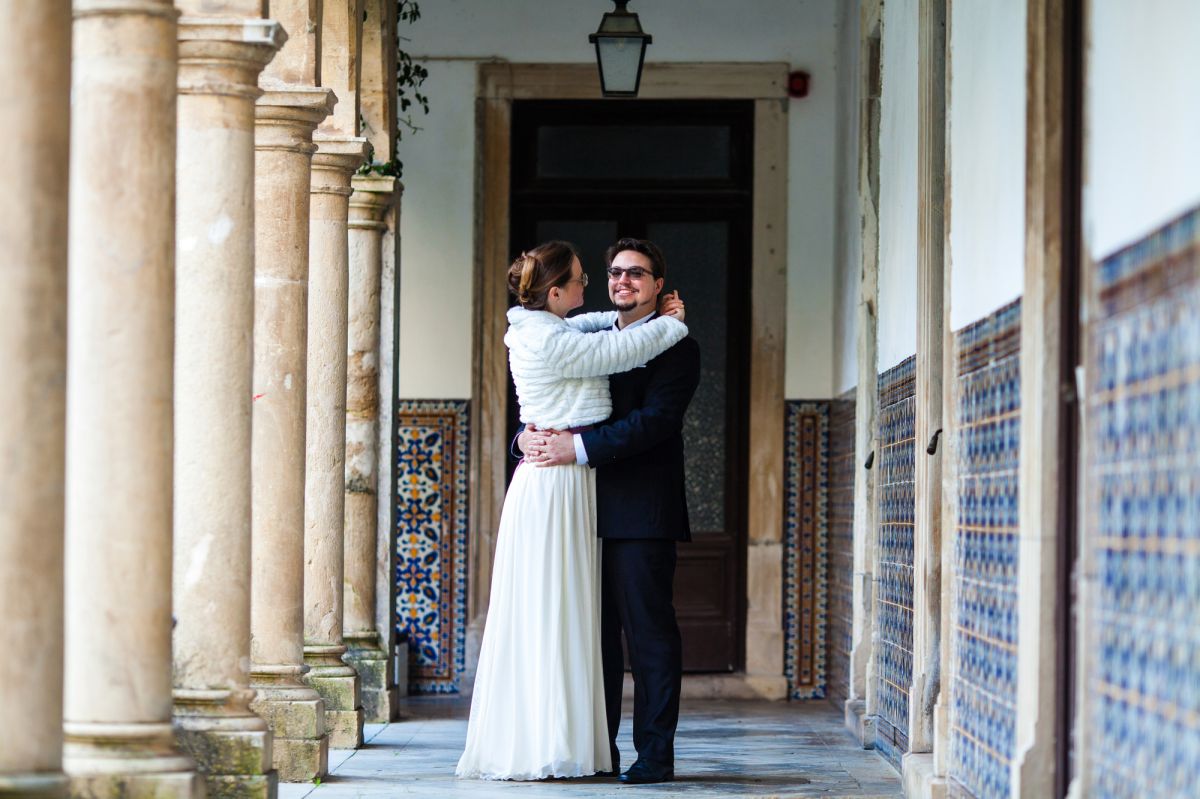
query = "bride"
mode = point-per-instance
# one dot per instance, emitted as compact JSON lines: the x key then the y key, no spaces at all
{"x":537,"y":709}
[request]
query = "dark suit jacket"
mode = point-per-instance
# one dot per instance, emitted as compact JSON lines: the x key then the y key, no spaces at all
{"x":638,"y":452}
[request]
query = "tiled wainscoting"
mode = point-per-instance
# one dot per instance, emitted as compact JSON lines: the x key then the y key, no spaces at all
{"x":894,"y":564}
{"x":1141,"y":522}
{"x":839,"y":549}
{"x":806,"y":458}
{"x":431,"y":540}
{"x":983,"y":644}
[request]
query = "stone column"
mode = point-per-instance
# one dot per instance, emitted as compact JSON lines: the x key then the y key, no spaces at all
{"x":927,"y":683}
{"x":121,"y":240}
{"x":371,"y":198}
{"x":285,"y":118}
{"x":334,"y":162}
{"x":33,"y":359}
{"x":219,"y":63}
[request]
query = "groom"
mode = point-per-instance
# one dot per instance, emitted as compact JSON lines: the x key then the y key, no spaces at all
{"x":641,"y":511}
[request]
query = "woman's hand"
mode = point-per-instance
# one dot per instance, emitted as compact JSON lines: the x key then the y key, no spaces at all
{"x":546,"y":447}
{"x":671,"y":305}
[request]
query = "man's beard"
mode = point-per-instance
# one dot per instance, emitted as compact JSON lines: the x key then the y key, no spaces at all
{"x":623,"y":307}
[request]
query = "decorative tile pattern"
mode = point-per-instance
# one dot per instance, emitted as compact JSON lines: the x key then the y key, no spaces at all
{"x":1140,"y":527}
{"x":983,"y":645}
{"x":894,"y":458}
{"x":431,"y":540}
{"x":839,"y":558}
{"x":805,"y":480}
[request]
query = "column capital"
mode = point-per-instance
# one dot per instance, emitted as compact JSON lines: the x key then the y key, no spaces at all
{"x":266,"y":32}
{"x":286,"y":116}
{"x":334,"y":162}
{"x":225,"y":56}
{"x":371,"y":198}
{"x":376,"y":184}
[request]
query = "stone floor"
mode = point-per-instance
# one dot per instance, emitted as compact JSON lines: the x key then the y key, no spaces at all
{"x":723,"y":748}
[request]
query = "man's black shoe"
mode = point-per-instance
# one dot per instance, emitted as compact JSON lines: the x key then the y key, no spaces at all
{"x":643,"y":772}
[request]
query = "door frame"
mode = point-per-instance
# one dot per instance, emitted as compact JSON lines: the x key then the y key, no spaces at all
{"x":498,"y":84}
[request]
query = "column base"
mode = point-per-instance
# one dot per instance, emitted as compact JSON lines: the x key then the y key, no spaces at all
{"x":859,"y":723}
{"x":345,"y":728}
{"x":34,"y":786}
{"x":296,"y":717}
{"x":379,"y":700}
{"x":242,"y":786}
{"x":920,"y":782}
{"x":166,"y":785}
{"x":337,"y":684}
{"x":233,"y":754}
{"x":134,"y":760}
{"x":301,"y":759}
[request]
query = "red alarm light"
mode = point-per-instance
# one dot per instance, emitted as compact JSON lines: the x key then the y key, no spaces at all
{"x":797,"y":84}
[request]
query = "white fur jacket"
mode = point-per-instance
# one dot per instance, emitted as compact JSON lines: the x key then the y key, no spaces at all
{"x":561,"y":366}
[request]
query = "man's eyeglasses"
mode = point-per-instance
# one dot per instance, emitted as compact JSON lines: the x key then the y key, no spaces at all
{"x":634,"y":272}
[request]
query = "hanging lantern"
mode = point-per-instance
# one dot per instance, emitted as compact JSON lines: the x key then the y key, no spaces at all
{"x":620,"y":51}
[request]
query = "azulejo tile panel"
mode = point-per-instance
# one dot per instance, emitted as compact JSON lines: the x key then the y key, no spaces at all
{"x":983,"y":645}
{"x":431,"y":540}
{"x":805,"y":484}
{"x":839,"y":550}
{"x":1141,"y":520}
{"x":895,"y":460}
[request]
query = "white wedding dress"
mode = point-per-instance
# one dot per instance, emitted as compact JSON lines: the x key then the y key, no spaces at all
{"x":537,"y":709}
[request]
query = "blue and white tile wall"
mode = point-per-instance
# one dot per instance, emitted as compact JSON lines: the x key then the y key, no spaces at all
{"x":1141,"y":520}
{"x":894,"y":578}
{"x":431,"y":540}
{"x":983,"y":644}
{"x":839,"y":549}
{"x":806,"y":459}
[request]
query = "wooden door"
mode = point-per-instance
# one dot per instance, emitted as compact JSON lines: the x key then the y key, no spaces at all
{"x":677,"y":173}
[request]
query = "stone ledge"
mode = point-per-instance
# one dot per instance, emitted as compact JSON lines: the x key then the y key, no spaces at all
{"x":919,"y":780}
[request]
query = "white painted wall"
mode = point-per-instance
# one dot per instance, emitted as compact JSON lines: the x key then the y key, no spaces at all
{"x":848,"y":247}
{"x":453,"y":36}
{"x":437,"y":228}
{"x":986,"y":117}
{"x":897,"y":330}
{"x":1142,"y":119}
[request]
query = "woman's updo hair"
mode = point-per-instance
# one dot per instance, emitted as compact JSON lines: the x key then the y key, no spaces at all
{"x":535,"y":272}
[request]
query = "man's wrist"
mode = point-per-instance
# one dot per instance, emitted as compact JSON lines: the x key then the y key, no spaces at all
{"x":580,"y":453}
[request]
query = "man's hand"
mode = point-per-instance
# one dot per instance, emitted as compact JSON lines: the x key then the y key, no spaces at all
{"x":548,"y":447}
{"x":671,"y":305}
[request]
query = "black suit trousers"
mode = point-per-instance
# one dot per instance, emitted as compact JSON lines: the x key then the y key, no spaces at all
{"x":636,"y":600}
